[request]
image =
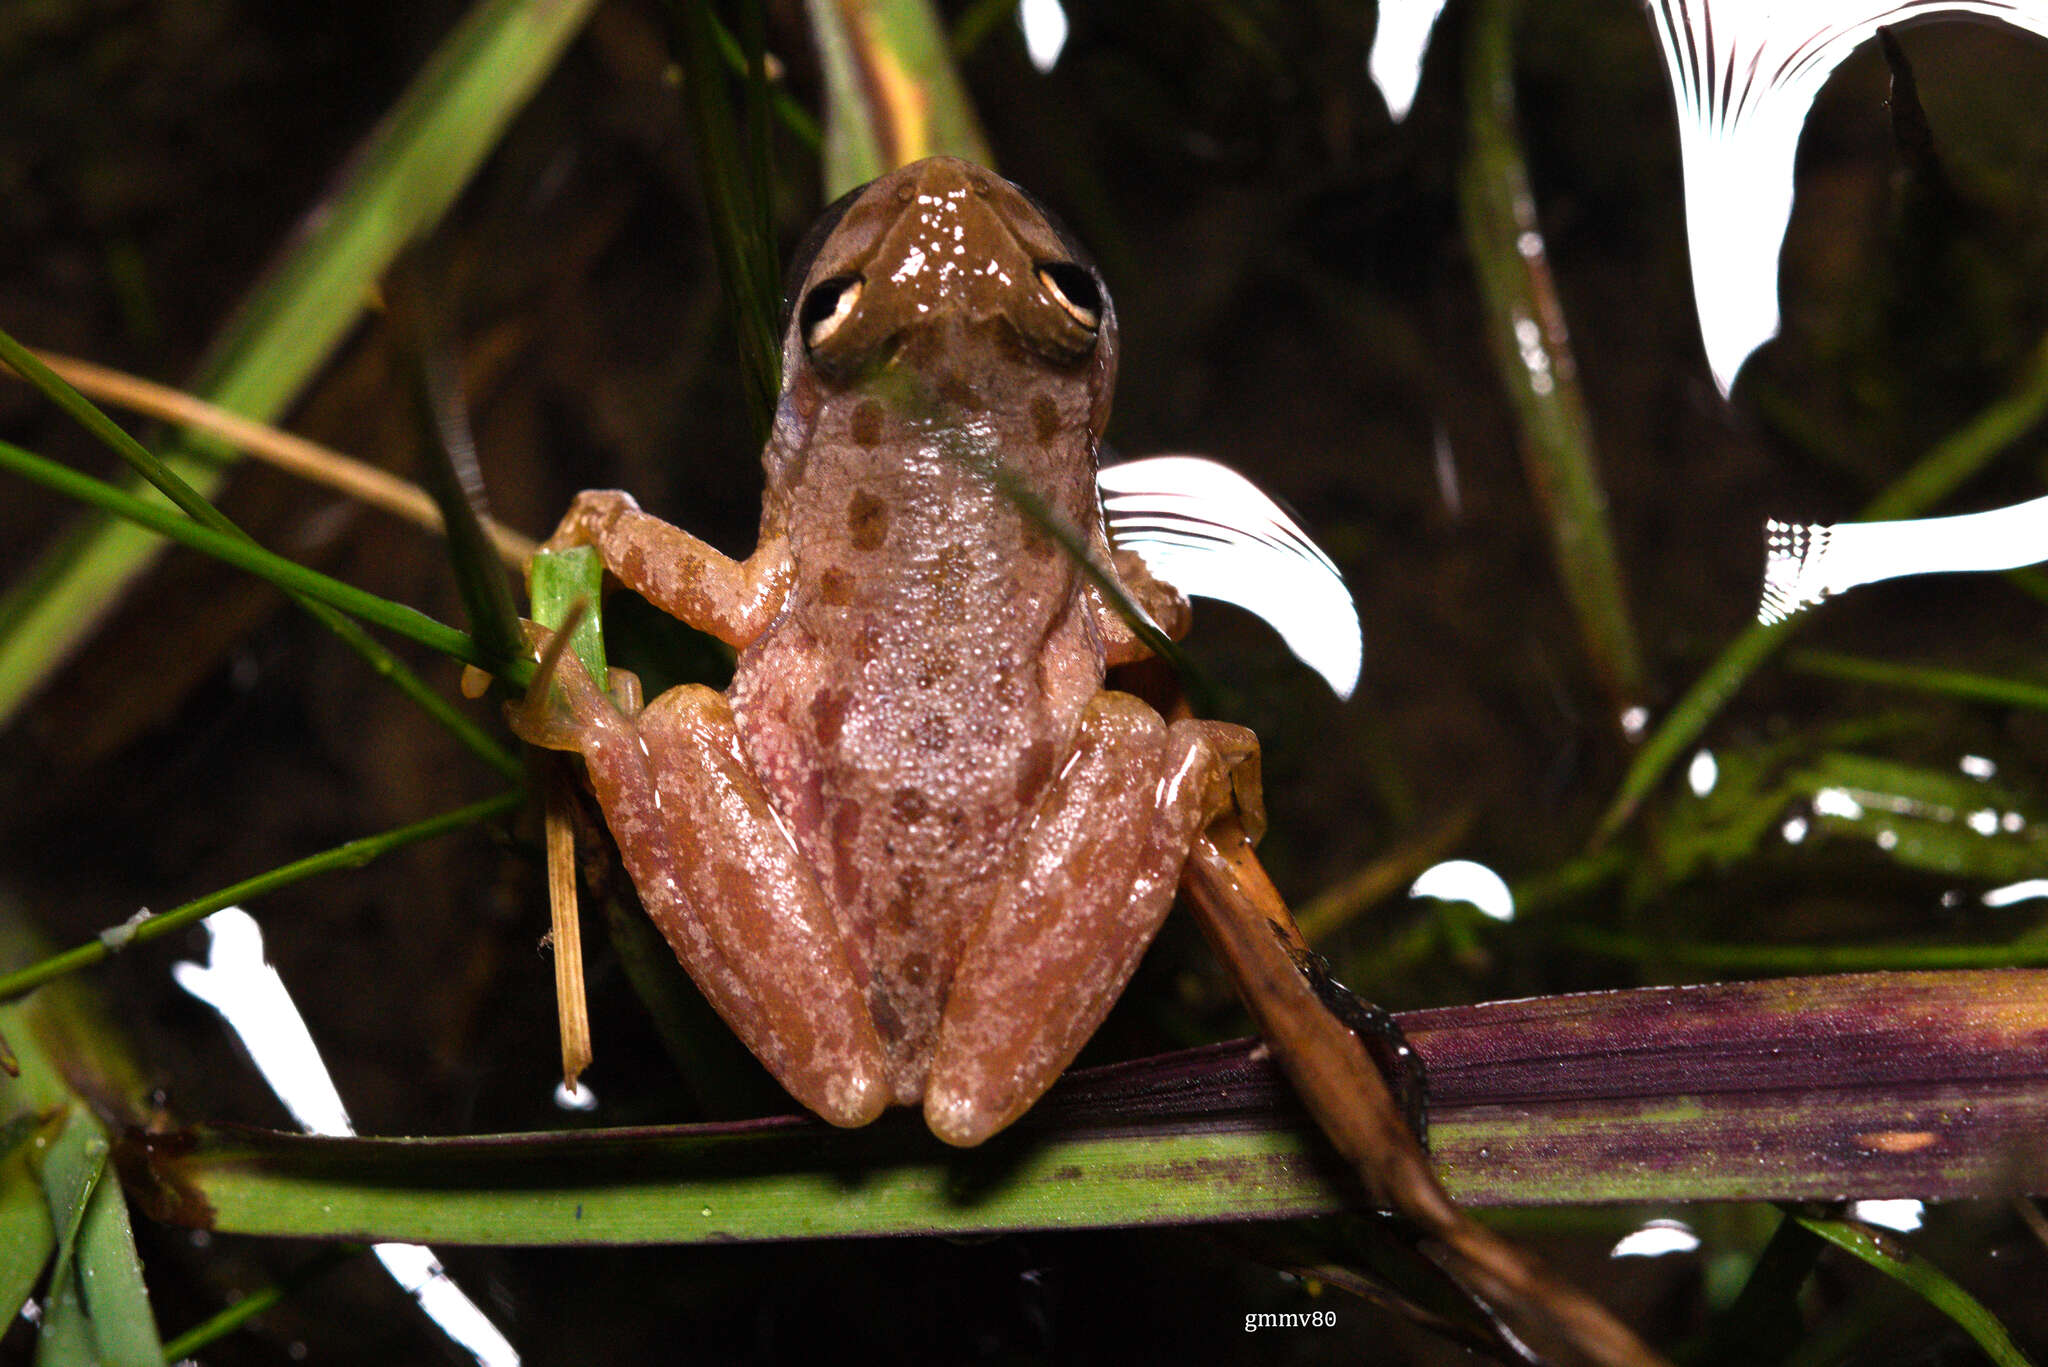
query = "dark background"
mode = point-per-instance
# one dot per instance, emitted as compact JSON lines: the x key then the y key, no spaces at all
{"x":1296,"y":299}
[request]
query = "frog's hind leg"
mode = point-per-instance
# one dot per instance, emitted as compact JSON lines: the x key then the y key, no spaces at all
{"x":722,"y":882}
{"x":1094,"y":880}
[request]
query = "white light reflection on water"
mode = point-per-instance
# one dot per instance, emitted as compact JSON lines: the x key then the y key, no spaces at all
{"x":1976,"y":766}
{"x":1804,"y":564}
{"x":1461,"y":880}
{"x":1703,"y":773}
{"x":2027,"y":890}
{"x":574,"y":1096}
{"x":1837,"y":802}
{"x":1904,"y":1215}
{"x":253,"y":1000}
{"x":1398,"y":42}
{"x":1657,"y":1239}
{"x":1045,"y":31}
{"x":1211,"y":533}
{"x":1744,"y":74}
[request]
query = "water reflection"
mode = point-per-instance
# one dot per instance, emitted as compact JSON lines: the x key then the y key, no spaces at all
{"x":1903,"y":1215}
{"x":237,"y":982}
{"x":1211,"y":533}
{"x":1744,"y":74}
{"x":1462,"y":880}
{"x":1398,"y":42}
{"x":1805,"y":564}
{"x":1703,"y":773}
{"x":1657,"y":1239}
{"x":2026,"y":890}
{"x":1045,"y":31}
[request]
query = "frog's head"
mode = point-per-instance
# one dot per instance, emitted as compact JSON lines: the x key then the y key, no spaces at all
{"x":944,"y":260}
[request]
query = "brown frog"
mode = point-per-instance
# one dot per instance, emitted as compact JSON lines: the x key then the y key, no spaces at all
{"x":915,"y":851}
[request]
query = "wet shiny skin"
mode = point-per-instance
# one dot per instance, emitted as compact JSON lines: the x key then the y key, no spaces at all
{"x":915,"y":851}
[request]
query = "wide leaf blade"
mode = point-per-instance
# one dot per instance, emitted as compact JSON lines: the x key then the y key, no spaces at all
{"x":1877,"y":1085}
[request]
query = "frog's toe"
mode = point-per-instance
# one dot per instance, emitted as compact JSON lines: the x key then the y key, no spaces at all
{"x":560,"y":702}
{"x":854,"y":1100}
{"x":960,"y":1119}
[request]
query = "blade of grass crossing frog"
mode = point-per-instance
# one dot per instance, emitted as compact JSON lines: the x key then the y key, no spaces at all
{"x":397,"y":185}
{"x":1194,"y":681}
{"x":737,"y":196}
{"x":892,"y":94}
{"x":1887,"y":1253}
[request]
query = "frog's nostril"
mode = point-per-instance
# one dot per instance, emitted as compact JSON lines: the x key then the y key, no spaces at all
{"x":828,"y":305}
{"x":1073,"y":287}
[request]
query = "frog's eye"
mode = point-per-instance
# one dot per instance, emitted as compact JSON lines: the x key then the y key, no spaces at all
{"x":827,"y":306}
{"x":1073,"y":288}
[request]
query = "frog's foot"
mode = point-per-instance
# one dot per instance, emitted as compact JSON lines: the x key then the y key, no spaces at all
{"x":562,"y":703}
{"x":1094,"y":880}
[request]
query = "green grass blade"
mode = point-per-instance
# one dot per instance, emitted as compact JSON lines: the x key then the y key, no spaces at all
{"x":1933,"y":477}
{"x":1889,"y":1255}
{"x":397,"y":185}
{"x":796,"y":1181}
{"x":561,"y":580}
{"x":732,"y":168}
{"x":892,"y":94}
{"x":27,"y":1238}
{"x":1736,"y":1092}
{"x":1525,"y":322}
{"x":1946,"y":683}
{"x":72,"y":1163}
{"x":1763,"y":1324}
{"x":244,"y":554}
{"x":95,"y":1311}
{"x":450,"y":470}
{"x":791,"y":115}
{"x":256,"y":1302}
{"x":352,"y":855}
{"x":1706,"y":956}
{"x":174,"y":487}
{"x":110,"y":1274}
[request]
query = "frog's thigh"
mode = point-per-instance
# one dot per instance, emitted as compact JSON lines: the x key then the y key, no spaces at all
{"x":1093,"y":881}
{"x":741,"y":909}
